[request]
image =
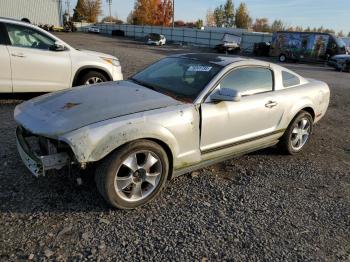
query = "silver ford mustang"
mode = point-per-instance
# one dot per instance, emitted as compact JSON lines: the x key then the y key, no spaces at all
{"x":182,"y":113}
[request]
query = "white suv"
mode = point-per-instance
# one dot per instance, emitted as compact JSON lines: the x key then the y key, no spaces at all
{"x":33,"y":60}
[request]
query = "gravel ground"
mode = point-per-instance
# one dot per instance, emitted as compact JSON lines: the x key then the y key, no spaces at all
{"x":263,"y":206}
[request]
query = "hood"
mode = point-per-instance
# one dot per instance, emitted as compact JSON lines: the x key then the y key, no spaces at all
{"x":57,"y":113}
{"x":97,"y":54}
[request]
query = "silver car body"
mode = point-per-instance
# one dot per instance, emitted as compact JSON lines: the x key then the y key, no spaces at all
{"x":93,"y":121}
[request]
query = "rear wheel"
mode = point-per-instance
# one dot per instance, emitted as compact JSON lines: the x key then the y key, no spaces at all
{"x":91,"y":78}
{"x":297,"y":134}
{"x":282,"y":58}
{"x":133,"y":175}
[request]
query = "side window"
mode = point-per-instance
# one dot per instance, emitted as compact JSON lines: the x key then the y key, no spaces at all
{"x":22,"y":36}
{"x":289,"y":79}
{"x":249,"y":80}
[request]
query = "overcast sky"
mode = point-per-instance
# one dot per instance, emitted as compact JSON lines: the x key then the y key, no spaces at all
{"x":334,"y":14}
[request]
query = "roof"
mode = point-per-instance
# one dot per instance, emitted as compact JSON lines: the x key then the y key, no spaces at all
{"x":17,"y":21}
{"x":218,"y":59}
{"x":299,"y":32}
{"x":9,"y":19}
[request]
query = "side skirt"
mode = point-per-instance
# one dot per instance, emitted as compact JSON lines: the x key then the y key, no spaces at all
{"x":213,"y":161}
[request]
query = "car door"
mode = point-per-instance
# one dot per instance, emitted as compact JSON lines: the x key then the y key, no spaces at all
{"x":256,"y":115}
{"x":5,"y":63}
{"x":35,"y":67}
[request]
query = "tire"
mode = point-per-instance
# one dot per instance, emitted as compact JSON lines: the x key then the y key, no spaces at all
{"x":92,"y":77}
{"x":293,"y":133}
{"x":282,"y":58}
{"x":120,"y":185}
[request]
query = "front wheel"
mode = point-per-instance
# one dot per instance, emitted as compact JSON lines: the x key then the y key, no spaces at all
{"x":297,"y":134}
{"x":91,"y":78}
{"x":133,"y":175}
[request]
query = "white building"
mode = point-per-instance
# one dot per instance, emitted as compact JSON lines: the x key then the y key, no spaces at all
{"x":37,"y":11}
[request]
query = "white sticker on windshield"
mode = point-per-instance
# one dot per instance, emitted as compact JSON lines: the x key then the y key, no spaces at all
{"x":198,"y":68}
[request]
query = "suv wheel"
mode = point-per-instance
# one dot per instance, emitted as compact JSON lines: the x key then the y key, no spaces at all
{"x":133,"y":175}
{"x":92,"y":77}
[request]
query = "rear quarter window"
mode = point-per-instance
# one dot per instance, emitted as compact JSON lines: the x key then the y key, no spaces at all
{"x":290,"y":79}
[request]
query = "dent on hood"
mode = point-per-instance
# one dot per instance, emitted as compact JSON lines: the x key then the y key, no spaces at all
{"x":74,"y":108}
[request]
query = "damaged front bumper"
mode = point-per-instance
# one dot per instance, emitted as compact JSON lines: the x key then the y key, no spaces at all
{"x":38,"y":164}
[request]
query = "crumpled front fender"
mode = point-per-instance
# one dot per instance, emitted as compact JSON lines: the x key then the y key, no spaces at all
{"x":92,"y":143}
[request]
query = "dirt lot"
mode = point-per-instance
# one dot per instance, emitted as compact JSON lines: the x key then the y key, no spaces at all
{"x":263,"y":206}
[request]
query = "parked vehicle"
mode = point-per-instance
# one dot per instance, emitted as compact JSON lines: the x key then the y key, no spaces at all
{"x":33,"y":60}
{"x":346,"y":41}
{"x":262,"y":49}
{"x":94,"y":29}
{"x":305,"y":46}
{"x":118,"y":33}
{"x":46,"y":27}
{"x":156,"y":39}
{"x":229,"y":44}
{"x":340,"y":62}
{"x":179,"y":114}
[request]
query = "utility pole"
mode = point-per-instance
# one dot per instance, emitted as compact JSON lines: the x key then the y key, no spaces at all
{"x":60,"y":12}
{"x":68,"y":7}
{"x":110,"y":7}
{"x":173,"y":13}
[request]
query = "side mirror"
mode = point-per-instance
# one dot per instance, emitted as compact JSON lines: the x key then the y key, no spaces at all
{"x":58,"y":46}
{"x":226,"y":94}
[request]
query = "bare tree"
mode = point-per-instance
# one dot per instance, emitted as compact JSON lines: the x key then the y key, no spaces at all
{"x":209,"y":18}
{"x":278,"y":25}
{"x":261,"y":25}
{"x":340,"y":34}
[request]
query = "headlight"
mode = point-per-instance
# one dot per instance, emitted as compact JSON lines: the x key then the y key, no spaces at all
{"x":114,"y":62}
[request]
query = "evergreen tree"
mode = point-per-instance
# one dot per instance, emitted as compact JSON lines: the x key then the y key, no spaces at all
{"x":243,"y":20}
{"x":79,"y":11}
{"x":229,"y":14}
{"x":219,"y":16}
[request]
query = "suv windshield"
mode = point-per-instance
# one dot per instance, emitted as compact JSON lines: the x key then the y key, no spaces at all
{"x":180,"y":78}
{"x":340,"y":42}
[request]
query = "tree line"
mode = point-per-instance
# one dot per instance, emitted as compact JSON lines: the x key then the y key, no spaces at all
{"x":160,"y":13}
{"x":227,"y":16}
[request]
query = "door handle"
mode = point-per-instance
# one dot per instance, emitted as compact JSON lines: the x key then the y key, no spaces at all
{"x":18,"y":55}
{"x":271,"y":104}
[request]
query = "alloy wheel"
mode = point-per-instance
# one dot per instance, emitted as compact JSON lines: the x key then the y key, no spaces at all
{"x":93,"y":80}
{"x":300,"y":134}
{"x":138,"y":176}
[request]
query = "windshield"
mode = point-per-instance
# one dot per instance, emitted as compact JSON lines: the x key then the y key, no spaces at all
{"x":340,"y":42}
{"x":154,"y":37}
{"x":180,"y":78}
{"x":346,"y":41}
